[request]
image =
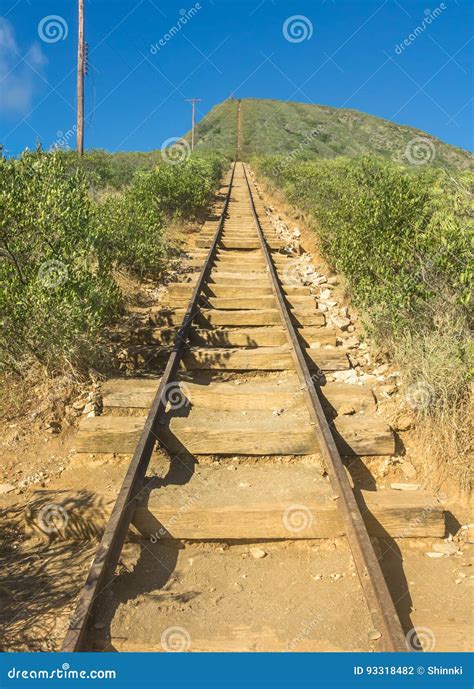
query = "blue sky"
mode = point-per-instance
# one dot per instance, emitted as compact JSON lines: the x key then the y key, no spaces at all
{"x":341,"y":53}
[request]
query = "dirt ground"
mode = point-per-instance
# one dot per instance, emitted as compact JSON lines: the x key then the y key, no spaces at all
{"x":292,"y":598}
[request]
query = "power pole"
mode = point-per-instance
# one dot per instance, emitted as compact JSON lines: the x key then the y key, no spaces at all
{"x":193,"y":102}
{"x":80,"y":80}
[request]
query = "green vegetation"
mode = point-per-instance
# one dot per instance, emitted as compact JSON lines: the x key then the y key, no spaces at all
{"x":403,"y":241}
{"x":60,"y":249}
{"x":316,"y":131}
{"x":114,"y":170}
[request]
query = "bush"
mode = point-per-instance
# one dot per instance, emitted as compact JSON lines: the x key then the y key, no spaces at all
{"x":59,"y":249}
{"x":402,"y":239}
{"x":131,"y":227}
{"x":103,"y":169}
{"x":399,"y":238}
{"x":53,"y":298}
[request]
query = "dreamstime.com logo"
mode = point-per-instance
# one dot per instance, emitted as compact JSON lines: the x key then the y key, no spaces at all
{"x":63,"y":672}
{"x":175,"y":150}
{"x":297,"y":518}
{"x":297,"y":28}
{"x":291,"y":274}
{"x":420,"y":395}
{"x":420,"y":151}
{"x":185,"y":17}
{"x":176,"y":395}
{"x":175,"y":640}
{"x":53,"y":273}
{"x":429,"y":18}
{"x":52,"y":518}
{"x":53,"y":28}
{"x":62,"y":142}
{"x":420,"y":639}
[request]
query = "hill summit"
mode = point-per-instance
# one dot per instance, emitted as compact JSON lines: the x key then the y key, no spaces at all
{"x":278,"y":127}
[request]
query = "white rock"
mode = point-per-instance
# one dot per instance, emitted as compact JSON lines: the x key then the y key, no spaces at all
{"x":257,"y":553}
{"x":341,"y":322}
{"x":325,"y":294}
{"x":333,"y":280}
{"x":374,"y":635}
{"x":434,"y":555}
{"x":405,"y":486}
{"x":347,"y":376}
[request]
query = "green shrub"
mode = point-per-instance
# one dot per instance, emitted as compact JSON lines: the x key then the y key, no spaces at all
{"x":53,"y":298}
{"x":131,"y":227}
{"x":59,"y":249}
{"x":403,"y":240}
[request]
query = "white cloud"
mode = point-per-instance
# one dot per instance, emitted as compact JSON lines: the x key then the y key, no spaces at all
{"x":17,"y":72}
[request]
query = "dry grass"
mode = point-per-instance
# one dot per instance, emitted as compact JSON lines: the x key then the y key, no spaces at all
{"x":437,"y":386}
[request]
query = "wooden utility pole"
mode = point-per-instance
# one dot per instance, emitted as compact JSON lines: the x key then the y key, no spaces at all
{"x":193,"y":102}
{"x":80,"y":80}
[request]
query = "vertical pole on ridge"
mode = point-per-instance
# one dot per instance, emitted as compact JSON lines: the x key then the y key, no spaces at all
{"x":193,"y":102}
{"x":80,"y":79}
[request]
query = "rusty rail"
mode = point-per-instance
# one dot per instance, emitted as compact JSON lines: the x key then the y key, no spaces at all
{"x":378,"y":598}
{"x":111,"y":544}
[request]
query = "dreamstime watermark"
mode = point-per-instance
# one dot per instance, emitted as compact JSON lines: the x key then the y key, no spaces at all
{"x":185,"y":17}
{"x":428,"y":19}
{"x":53,"y":273}
{"x":293,"y":155}
{"x":53,"y":28}
{"x":307,"y":627}
{"x":297,"y":28}
{"x":297,"y":518}
{"x":420,"y":151}
{"x":420,"y":395}
{"x":175,"y":150}
{"x":175,"y":640}
{"x":420,"y":639}
{"x":165,"y":532}
{"x":62,"y":142}
{"x":176,"y":395}
{"x":63,"y":672}
{"x":424,"y":515}
{"x":52,"y":518}
{"x":291,"y":274}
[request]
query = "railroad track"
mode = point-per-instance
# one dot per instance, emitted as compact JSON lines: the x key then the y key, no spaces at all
{"x":236,"y":314}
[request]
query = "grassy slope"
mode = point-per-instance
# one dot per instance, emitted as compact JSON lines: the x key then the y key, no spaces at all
{"x":271,"y":126}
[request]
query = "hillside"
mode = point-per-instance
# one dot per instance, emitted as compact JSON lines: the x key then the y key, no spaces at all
{"x":272,"y":126}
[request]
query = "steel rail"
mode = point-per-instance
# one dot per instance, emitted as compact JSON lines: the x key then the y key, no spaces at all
{"x":111,"y":544}
{"x":379,"y":601}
